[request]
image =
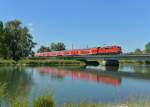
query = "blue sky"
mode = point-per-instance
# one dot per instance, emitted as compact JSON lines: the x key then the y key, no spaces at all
{"x":83,"y":22}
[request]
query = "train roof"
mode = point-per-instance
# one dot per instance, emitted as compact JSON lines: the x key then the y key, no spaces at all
{"x":82,"y":49}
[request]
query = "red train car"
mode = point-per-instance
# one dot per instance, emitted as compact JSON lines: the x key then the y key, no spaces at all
{"x":91,"y":51}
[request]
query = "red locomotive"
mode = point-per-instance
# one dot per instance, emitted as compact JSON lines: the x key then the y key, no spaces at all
{"x":75,"y":52}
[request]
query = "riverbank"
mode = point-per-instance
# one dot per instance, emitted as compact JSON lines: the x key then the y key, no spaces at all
{"x":131,"y":62}
{"x":47,"y":101}
{"x":52,"y":62}
{"x":7,"y":62}
{"x":127,"y":104}
{"x":58,"y":62}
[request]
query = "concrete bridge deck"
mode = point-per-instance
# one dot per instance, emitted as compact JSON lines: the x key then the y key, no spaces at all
{"x":113,"y":60}
{"x":113,"y":57}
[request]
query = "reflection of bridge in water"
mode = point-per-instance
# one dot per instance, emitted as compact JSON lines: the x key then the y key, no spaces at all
{"x":82,"y":75}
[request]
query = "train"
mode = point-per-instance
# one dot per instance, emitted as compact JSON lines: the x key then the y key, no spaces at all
{"x":107,"y":50}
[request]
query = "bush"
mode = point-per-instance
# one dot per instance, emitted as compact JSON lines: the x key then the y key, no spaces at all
{"x":86,"y":105}
{"x":19,"y":102}
{"x":44,"y":101}
{"x":7,"y":62}
{"x":2,"y":89}
{"x":51,"y":62}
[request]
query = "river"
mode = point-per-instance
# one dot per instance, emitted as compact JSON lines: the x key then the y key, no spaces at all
{"x":71,"y":84}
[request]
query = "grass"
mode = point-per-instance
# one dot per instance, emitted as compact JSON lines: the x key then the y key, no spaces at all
{"x":131,"y":62}
{"x":127,"y":104}
{"x":52,"y":62}
{"x":7,"y":62}
{"x":47,"y":101}
{"x":19,"y":102}
{"x":2,"y":89}
{"x":85,"y":105}
{"x":44,"y":101}
{"x":58,"y":61}
{"x":41,"y":101}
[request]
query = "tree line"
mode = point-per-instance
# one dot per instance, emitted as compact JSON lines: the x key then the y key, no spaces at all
{"x":53,"y":47}
{"x":145,"y":51}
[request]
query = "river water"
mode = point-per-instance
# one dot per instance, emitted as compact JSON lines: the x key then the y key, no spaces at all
{"x":71,"y":84}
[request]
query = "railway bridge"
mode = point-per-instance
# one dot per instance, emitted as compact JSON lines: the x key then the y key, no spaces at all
{"x":113,"y":60}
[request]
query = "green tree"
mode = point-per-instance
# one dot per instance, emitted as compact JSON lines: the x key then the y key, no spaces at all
{"x":1,"y":36}
{"x":147,"y":47}
{"x":17,"y":40}
{"x":44,"y":49}
{"x":138,"y":51}
{"x":57,"y":46}
{"x":53,"y":47}
{"x":1,"y":28}
{"x":3,"y":50}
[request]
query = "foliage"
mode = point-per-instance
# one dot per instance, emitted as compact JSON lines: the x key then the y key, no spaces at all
{"x":15,"y":40}
{"x":7,"y":62}
{"x":2,"y":92}
{"x":53,"y":47}
{"x":138,"y":51}
{"x":44,"y":49}
{"x":19,"y":102}
{"x":51,"y":62}
{"x":57,"y":46}
{"x":2,"y":46}
{"x":2,"y":89}
{"x":44,"y":101}
{"x":131,"y":62}
{"x":85,"y":105}
{"x":128,"y":104}
{"x":147,"y":47}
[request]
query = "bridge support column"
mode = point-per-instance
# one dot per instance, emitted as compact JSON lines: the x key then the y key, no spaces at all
{"x":110,"y":63}
{"x":147,"y":62}
{"x":90,"y":63}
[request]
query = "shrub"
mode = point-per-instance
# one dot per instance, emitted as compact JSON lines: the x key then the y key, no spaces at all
{"x":19,"y":102}
{"x":7,"y":62}
{"x":2,"y":89}
{"x":86,"y":105}
{"x":44,"y":101}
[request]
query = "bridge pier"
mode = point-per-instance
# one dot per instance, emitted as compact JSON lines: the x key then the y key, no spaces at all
{"x":147,"y":62}
{"x":110,"y":63}
{"x":102,"y":62}
{"x":90,"y":63}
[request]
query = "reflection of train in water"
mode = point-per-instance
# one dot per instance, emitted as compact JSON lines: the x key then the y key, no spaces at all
{"x":90,"y":51}
{"x":106,"y":79}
